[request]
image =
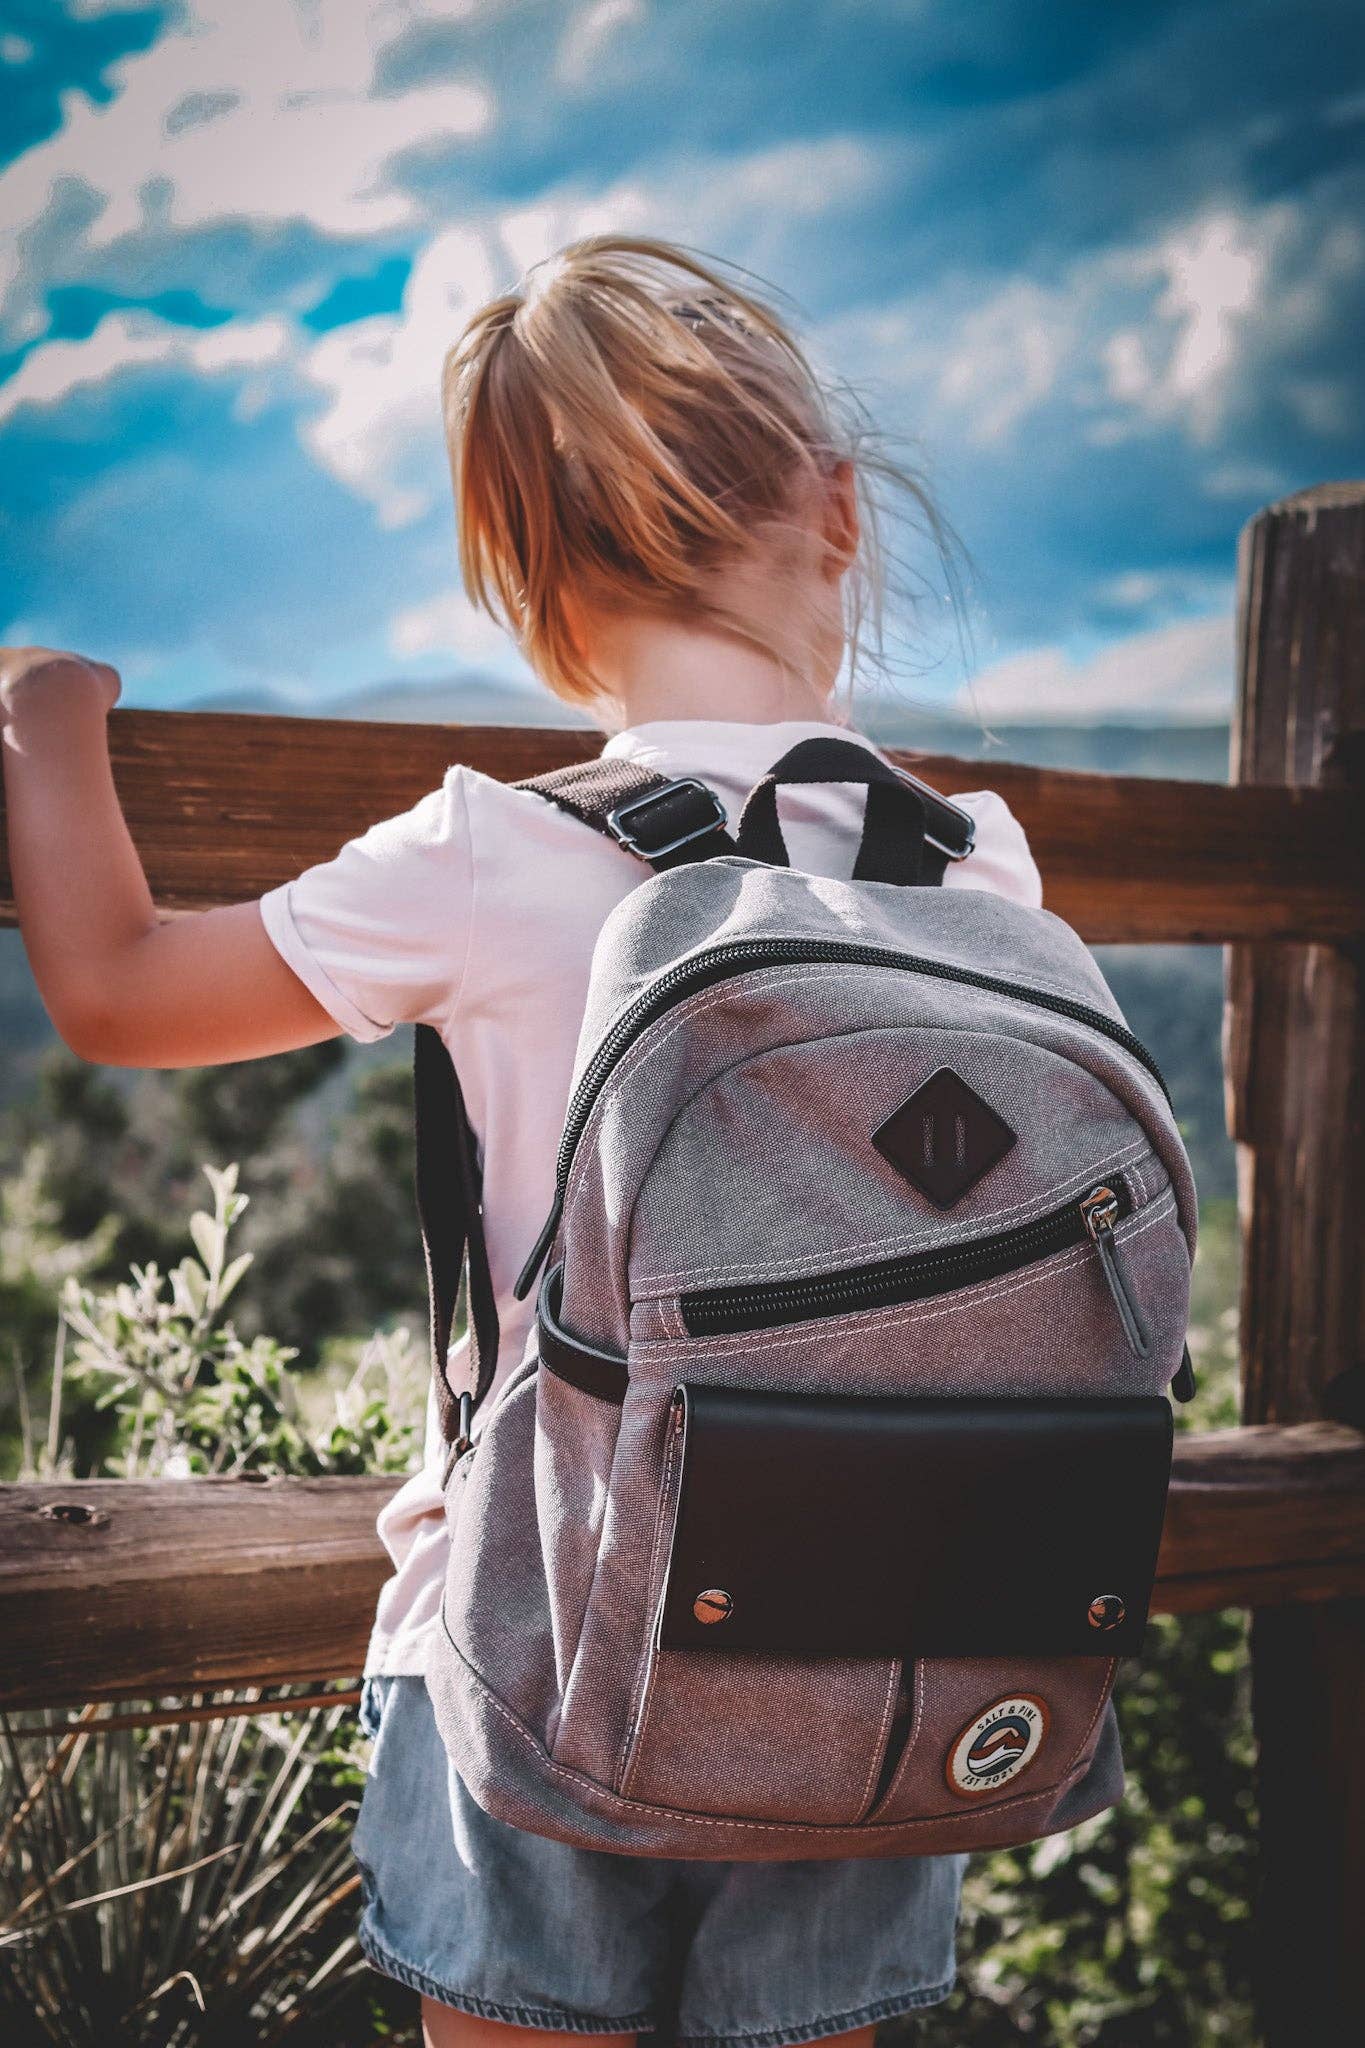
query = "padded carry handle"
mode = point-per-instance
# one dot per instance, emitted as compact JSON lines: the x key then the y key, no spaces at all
{"x":897,"y":844}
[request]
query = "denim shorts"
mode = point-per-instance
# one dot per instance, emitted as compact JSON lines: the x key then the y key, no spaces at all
{"x":506,"y":1925}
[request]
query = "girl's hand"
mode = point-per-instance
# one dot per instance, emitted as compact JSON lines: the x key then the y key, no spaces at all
{"x":42,"y":676}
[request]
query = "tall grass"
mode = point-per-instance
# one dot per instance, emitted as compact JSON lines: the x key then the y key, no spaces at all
{"x":190,"y":1884}
{"x":182,"y":1884}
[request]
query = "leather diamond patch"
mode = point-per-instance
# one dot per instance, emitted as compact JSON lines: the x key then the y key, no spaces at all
{"x":944,"y":1138}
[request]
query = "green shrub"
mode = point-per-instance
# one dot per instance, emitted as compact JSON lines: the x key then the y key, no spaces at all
{"x":192,"y":1884}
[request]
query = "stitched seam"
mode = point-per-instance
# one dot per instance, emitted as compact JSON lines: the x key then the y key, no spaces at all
{"x":393,"y":1966}
{"x":1140,"y":1148}
{"x":696,"y":1820}
{"x":871,"y":1777}
{"x":571,"y":1653}
{"x":635,"y":1724}
{"x":911,"y":1741}
{"x":913,"y":1999}
{"x":1067,"y":1771}
{"x":971,"y":1298}
{"x":1100,"y":1705}
{"x":686,"y":1015}
{"x":571,"y":1658}
{"x":879,"y":1319}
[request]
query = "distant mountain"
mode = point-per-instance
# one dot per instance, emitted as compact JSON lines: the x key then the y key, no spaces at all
{"x":453,"y":700}
{"x":1186,"y":752}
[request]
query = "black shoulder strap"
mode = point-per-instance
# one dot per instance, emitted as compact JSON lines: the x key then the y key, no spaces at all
{"x":663,"y":822}
{"x":449,"y":1185}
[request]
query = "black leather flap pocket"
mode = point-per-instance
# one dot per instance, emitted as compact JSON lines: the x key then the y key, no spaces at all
{"x":915,"y":1528}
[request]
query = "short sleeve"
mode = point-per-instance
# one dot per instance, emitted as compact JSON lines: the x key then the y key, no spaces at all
{"x":1001,"y":859}
{"x":380,"y":933}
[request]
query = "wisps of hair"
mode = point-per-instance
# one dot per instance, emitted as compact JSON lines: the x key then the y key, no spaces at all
{"x":629,"y":421}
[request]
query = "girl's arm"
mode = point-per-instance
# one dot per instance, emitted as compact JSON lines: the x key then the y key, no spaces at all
{"x":121,"y":988}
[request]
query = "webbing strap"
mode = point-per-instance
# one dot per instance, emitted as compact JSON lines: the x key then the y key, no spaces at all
{"x":666,"y":823}
{"x":910,"y":832}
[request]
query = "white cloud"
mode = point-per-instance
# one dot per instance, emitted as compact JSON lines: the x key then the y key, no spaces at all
{"x":125,"y":341}
{"x":1238,"y":297}
{"x":449,"y":624}
{"x":1195,"y":332}
{"x":1212,"y":274}
{"x":380,"y":431}
{"x":588,"y":35}
{"x":378,"y":428}
{"x":249,"y":110}
{"x":1162,"y":595}
{"x":974,"y":359}
{"x":1179,"y":672}
{"x":1234,"y":479}
{"x":1005,"y":359}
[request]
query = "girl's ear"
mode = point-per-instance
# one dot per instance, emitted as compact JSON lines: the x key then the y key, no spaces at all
{"x":842,"y":531}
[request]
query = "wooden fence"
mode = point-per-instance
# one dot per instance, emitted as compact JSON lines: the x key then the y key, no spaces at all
{"x":111,"y":1589}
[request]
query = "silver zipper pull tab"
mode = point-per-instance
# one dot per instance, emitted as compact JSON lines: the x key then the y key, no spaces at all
{"x":1100,"y":1209}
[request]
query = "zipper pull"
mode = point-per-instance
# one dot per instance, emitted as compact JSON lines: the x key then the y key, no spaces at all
{"x":526,"y":1278}
{"x":1099,"y":1209}
{"x":1183,"y":1386}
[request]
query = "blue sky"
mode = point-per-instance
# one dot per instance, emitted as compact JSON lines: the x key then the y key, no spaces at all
{"x":1105,"y":264}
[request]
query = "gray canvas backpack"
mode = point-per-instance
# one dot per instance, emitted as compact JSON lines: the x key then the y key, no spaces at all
{"x":826,"y":1497}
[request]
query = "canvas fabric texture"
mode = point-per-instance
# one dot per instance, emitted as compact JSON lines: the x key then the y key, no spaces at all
{"x":732,"y":1142}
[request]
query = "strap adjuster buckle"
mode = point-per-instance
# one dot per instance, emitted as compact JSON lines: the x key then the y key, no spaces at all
{"x":942,"y":804}
{"x":625,"y":822}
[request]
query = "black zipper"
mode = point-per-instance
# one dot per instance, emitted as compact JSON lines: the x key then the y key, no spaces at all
{"x":914,"y":1276}
{"x":743,"y":956}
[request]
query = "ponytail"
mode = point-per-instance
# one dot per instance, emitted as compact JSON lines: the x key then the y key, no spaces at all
{"x":623,"y":425}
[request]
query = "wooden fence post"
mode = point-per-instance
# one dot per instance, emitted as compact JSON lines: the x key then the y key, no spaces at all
{"x":1296,"y":1106}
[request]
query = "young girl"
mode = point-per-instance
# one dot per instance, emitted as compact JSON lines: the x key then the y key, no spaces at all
{"x":659,"y":500}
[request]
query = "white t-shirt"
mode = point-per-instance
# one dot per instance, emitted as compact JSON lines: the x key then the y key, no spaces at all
{"x":477,"y":911}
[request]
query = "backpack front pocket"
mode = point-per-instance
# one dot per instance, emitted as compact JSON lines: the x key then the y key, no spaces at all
{"x":855,"y":1526}
{"x":839,"y":1582}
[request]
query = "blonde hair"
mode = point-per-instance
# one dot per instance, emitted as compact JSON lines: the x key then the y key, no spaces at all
{"x":628,"y":421}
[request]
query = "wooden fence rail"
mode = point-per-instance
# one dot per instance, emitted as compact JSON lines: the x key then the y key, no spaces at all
{"x":110,"y":1588}
{"x":224,"y":805}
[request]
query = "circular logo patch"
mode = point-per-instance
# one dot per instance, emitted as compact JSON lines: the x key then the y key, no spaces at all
{"x":1002,"y":1741}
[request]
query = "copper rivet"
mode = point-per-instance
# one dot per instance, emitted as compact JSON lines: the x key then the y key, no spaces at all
{"x":1106,"y":1611}
{"x":712,"y":1605}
